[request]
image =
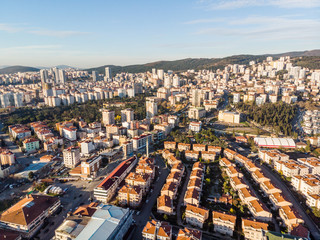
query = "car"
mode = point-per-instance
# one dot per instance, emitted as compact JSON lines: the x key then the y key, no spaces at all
{"x":138,"y":213}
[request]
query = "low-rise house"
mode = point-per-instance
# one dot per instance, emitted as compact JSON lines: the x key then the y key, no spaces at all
{"x":155,"y":230}
{"x":165,"y":205}
{"x":240,"y":159}
{"x":192,"y":196}
{"x":170,"y":189}
{"x":199,"y":147}
{"x":313,"y":201}
{"x":237,"y":183}
{"x":259,"y":177}
{"x":223,"y":223}
{"x":172,"y":160}
{"x":254,"y":230}
{"x":196,"y":216}
{"x":230,"y":154}
{"x":231,"y":171}
{"x":289,"y":216}
{"x":278,"y":200}
{"x":246,"y":195}
{"x":208,"y":156}
{"x":184,"y":146}
{"x":268,"y":187}
{"x":170,"y":145}
{"x":215,"y":149}
{"x":189,"y":234}
{"x":259,"y":211}
{"x":223,"y":162}
{"x":251,"y":167}
{"x":192,"y":155}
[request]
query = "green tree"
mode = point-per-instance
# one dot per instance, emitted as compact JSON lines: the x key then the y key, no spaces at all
{"x":31,"y":175}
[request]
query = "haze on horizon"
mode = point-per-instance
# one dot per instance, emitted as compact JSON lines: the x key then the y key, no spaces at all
{"x":94,"y":33}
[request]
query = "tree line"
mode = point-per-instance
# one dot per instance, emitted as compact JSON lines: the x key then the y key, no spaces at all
{"x":278,"y":115}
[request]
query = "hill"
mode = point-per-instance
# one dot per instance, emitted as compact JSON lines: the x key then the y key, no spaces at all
{"x":306,"y":58}
{"x":15,"y":69}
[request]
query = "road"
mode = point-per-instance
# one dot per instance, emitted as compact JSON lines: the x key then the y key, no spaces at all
{"x":314,"y":231}
{"x":181,"y":196}
{"x":145,"y":212}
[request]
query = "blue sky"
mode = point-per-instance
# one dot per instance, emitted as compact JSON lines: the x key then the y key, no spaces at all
{"x":94,"y":33}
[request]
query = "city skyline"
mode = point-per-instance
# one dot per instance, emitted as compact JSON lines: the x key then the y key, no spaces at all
{"x":83,"y":34}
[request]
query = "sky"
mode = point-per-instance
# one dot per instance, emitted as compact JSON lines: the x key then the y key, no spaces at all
{"x":83,"y":33}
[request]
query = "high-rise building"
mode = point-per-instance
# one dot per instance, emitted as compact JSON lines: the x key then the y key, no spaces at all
{"x":176,"y":81}
{"x":108,"y":117}
{"x":167,"y":82}
{"x":44,"y":75}
{"x":95,"y":75}
{"x":127,"y":115}
{"x":62,"y":76}
{"x":151,"y":107}
{"x":108,"y":73}
{"x":56,"y":74}
{"x":196,"y":97}
{"x":160,"y":74}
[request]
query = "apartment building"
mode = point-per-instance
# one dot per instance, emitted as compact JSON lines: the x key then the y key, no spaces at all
{"x":31,"y":144}
{"x":223,"y":223}
{"x":196,"y":216}
{"x":130,"y":196}
{"x":141,"y":180}
{"x":71,"y":156}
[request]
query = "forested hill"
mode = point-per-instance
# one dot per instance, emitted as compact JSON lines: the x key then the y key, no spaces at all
{"x":309,"y":59}
{"x":15,"y":69}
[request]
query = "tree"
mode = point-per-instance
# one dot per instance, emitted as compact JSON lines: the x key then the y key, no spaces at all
{"x":31,"y":175}
{"x":165,"y":217}
{"x":117,"y":118}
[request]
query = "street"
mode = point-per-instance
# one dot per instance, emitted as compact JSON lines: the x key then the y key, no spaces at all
{"x":145,"y":212}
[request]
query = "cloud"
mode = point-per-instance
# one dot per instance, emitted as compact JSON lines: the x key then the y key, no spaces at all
{"x":31,"y":47}
{"x":266,"y":28}
{"x":209,"y":20}
{"x":52,"y":33}
{"x":234,"y":4}
{"x":9,"y":28}
{"x":13,"y":28}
